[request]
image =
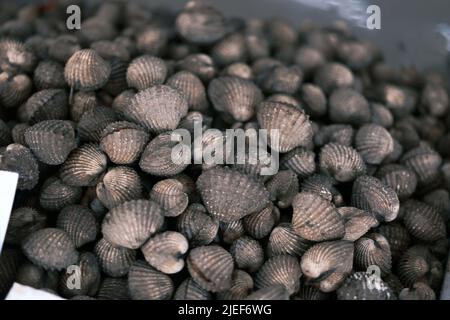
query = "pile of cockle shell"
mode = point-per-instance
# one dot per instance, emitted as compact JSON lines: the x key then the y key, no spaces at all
{"x":86,"y":121}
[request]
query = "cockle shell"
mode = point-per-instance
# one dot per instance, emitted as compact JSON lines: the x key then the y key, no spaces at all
{"x":281,"y":79}
{"x":315,"y":218}
{"x":94,"y":121}
{"x":231,"y":231}
{"x":79,"y":223}
{"x":401,"y":178}
{"x":348,"y":106}
{"x":37,"y":277}
{"x":293,"y":125}
{"x":20,"y":159}
{"x":211,"y":267}
{"x":374,"y":143}
{"x":341,"y":162}
{"x":15,"y":57}
{"x":86,"y":70}
{"x":15,"y":89}
{"x":310,"y":292}
{"x":357,"y":222}
{"x":118,"y":185}
{"x":55,"y":194}
{"x":146,"y":283}
{"x":165,"y":251}
{"x":282,"y":269}
{"x":170,"y":196}
{"x":360,"y":286}
{"x":123,"y":141}
{"x":425,"y":162}
{"x":372,"y":195}
{"x":283,"y":240}
{"x":419,"y":291}
{"x":190,"y":290}
{"x":238,"y":69}
{"x":192,"y":87}
{"x":117,"y":81}
{"x":49,"y":74}
{"x":397,"y":236}
{"x":63,"y":47}
{"x":322,"y":185}
{"x":131,"y":223}
{"x":260,"y":224}
{"x":381,"y":115}
{"x":341,"y":134}
{"x":83,"y":166}
{"x":146,"y":71}
{"x":50,"y":248}
{"x":197,"y":226}
{"x":115,"y":261}
{"x":300,"y":160}
{"x":17,"y":133}
{"x":22,"y":222}
{"x":152,"y":40}
{"x":235,"y":96}
{"x":283,"y":187}
{"x":230,"y":49}
{"x":82,"y":102}
{"x":111,"y":50}
{"x":332,"y":76}
{"x":315,"y":100}
{"x":373,"y":250}
{"x":199,"y":64}
{"x":51,"y":141}
{"x":47,"y":104}
{"x":247,"y":254}
{"x":241,"y":287}
{"x":113,"y":289}
{"x":275,"y":292}
{"x":229,"y":195}
{"x":423,"y":221}
{"x":159,"y":108}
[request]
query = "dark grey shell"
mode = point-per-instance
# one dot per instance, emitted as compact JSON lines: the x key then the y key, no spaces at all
{"x":47,"y":104}
{"x":397,"y":236}
{"x":152,"y":40}
{"x":374,"y":143}
{"x":79,"y":223}
{"x":238,"y":69}
{"x":229,"y":195}
{"x":348,"y":106}
{"x":131,"y":223}
{"x":55,"y":194}
{"x":334,"y":133}
{"x":49,"y":74}
{"x":199,"y":64}
{"x":146,"y":71}
{"x":419,"y":291}
{"x":283,"y":187}
{"x":94,"y":121}
{"x":51,"y":141}
{"x":282,"y":269}
{"x":193,"y":89}
{"x":115,"y":261}
{"x":322,"y":185}
{"x":314,"y":99}
{"x":113,"y":289}
{"x":17,"y":133}
{"x":146,"y":283}
{"x":401,"y":178}
{"x":283,"y":240}
{"x":190,"y":290}
{"x":211,"y":267}
{"x":86,"y":70}
{"x":299,"y":160}
{"x":230,"y":49}
{"x":117,"y":81}
{"x":5,"y":133}
{"x":361,"y":286}
{"x":373,"y":250}
{"x":197,"y":226}
{"x":63,"y":47}
{"x":16,"y":89}
{"x":241,"y":287}
{"x":50,"y":248}
{"x":81,"y":102}
{"x":425,"y":162}
{"x":169,"y":194}
{"x":83,"y":166}
{"x":370,"y":194}
{"x":247,"y":253}
{"x":260,"y":224}
{"x":10,"y":260}
{"x":357,"y":222}
{"x":332,"y":76}
{"x":341,"y":162}
{"x":22,"y":222}
{"x":276,"y":292}
{"x":20,"y":159}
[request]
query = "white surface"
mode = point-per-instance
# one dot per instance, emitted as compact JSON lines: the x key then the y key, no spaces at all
{"x":8,"y":184}
{"x":21,"y":292}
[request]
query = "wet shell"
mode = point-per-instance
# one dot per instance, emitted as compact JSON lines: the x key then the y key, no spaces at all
{"x":425,"y":162}
{"x":190,"y":290}
{"x":56,"y":195}
{"x":300,"y":160}
{"x":50,"y":248}
{"x":334,"y":133}
{"x":276,"y":292}
{"x":357,"y":222}
{"x":332,"y":76}
{"x":362,"y":286}
{"x":328,"y":262}
{"x":211,"y":267}
{"x":113,"y":289}
{"x":22,"y":222}
{"x":199,"y":64}
{"x":79,"y":223}
{"x":200,"y":23}
{"x":10,"y":260}
{"x":397,"y":236}
{"x":283,"y":269}
{"x":229,"y":195}
{"x":419,"y":291}
{"x":115,"y":261}
{"x":374,"y":143}
{"x":235,"y":96}
{"x":86,"y":70}
{"x":158,"y":159}
{"x":123,"y":142}
{"x":165,"y":251}
{"x":83,"y":166}
{"x":20,"y":159}
{"x":192,"y":88}
{"x":232,"y":231}
{"x":169,"y":194}
{"x":293,"y":125}
{"x":283,"y":240}
{"x":372,"y":195}
{"x":417,"y":264}
{"x":89,"y":277}
{"x":423,"y":221}
{"x":247,"y":254}
{"x":48,"y":104}
{"x":402,"y":179}
{"x":322,"y":185}
{"x":158,"y":109}
{"x":51,"y":141}
{"x":131,"y":223}
{"x":82,"y":102}
{"x":283,"y":187}
{"x":197,"y":226}
{"x":49,"y":74}
{"x":63,"y":47}
{"x":94,"y":121}
{"x":260,"y":224}
{"x":348,"y":106}
{"x":341,"y":162}
{"x":241,"y":287}
{"x":146,"y":283}
{"x":145,"y":72}
{"x":16,"y":89}
{"x":315,"y":218}
{"x":373,"y":250}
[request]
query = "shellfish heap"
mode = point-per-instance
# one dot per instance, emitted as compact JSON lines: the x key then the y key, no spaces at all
{"x":86,"y":119}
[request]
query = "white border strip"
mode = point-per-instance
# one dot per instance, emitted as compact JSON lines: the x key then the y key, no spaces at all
{"x":8,"y":185}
